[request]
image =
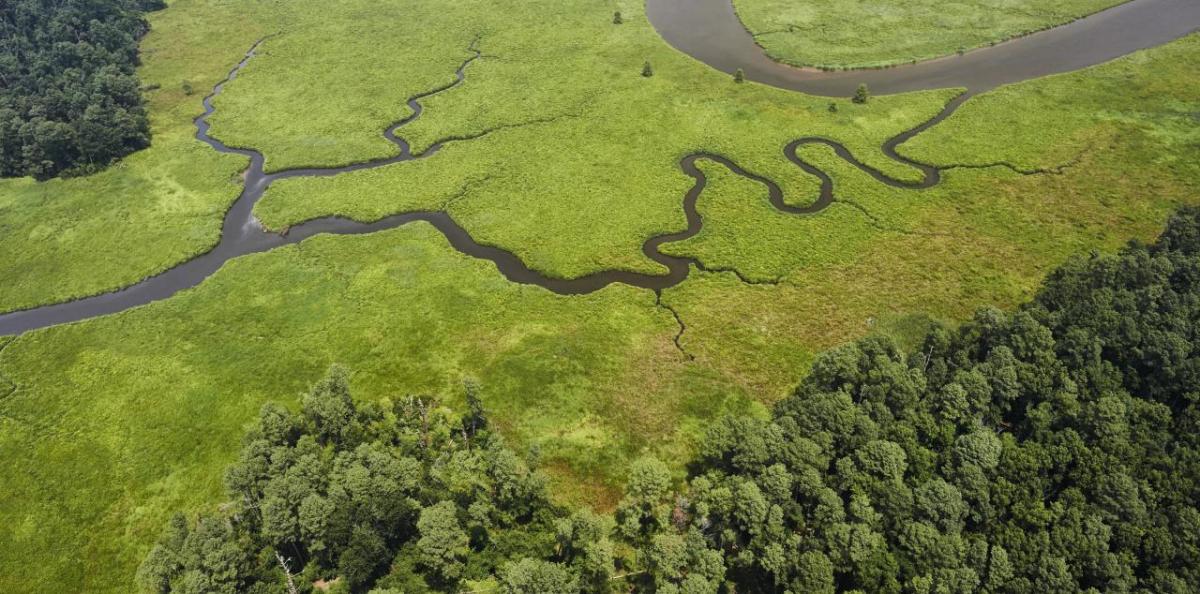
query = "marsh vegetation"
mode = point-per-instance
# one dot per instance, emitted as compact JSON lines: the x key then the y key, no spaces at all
{"x":570,"y":159}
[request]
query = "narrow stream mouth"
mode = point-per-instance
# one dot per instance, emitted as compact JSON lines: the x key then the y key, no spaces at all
{"x":684,"y":24}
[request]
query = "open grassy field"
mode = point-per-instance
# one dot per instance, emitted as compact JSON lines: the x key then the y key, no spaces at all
{"x":577,"y":133}
{"x":871,"y":33}
{"x":1113,"y":141}
{"x":300,"y":105}
{"x":117,"y":421}
{"x":109,"y":424}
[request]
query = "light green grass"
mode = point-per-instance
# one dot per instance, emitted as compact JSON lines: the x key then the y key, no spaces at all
{"x":327,"y":82}
{"x":117,"y":421}
{"x":332,"y":78}
{"x":1104,"y":155}
{"x":582,"y":137}
{"x":872,"y":33}
{"x":1150,"y":97}
{"x":986,"y":236}
{"x":744,"y":232}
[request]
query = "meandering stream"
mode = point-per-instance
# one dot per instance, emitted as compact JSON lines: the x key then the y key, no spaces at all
{"x":709,"y":31}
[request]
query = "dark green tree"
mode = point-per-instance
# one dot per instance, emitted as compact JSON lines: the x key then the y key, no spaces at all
{"x":165,"y":560}
{"x":443,"y":543}
{"x":861,"y":94}
{"x":475,"y":418}
{"x":69,"y":96}
{"x":533,"y":576}
{"x":644,"y":508}
{"x":583,"y":544}
{"x":364,"y":558}
{"x":1053,"y":448}
{"x":329,"y":408}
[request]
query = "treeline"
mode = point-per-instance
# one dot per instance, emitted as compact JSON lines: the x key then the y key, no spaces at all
{"x":402,"y":496}
{"x":69,"y":97}
{"x":1053,"y":449}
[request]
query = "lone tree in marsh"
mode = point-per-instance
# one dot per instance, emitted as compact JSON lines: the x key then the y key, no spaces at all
{"x":739,"y":76}
{"x":861,"y":95}
{"x":647,"y":71}
{"x":617,"y":20}
{"x":475,"y":420}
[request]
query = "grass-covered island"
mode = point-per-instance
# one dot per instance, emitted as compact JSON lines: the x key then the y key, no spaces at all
{"x":874,"y":33}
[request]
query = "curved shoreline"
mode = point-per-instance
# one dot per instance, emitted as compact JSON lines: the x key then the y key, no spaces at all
{"x":710,"y":32}
{"x":242,"y":234}
{"x":897,"y":63}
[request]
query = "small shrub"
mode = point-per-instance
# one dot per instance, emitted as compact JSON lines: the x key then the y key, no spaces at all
{"x":617,"y":20}
{"x":862,"y":95}
{"x":833,"y":108}
{"x":187,"y":88}
{"x":739,"y":76}
{"x":647,"y":71}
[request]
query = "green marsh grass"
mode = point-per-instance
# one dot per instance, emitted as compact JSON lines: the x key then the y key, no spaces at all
{"x":119,"y":420}
{"x":579,"y":135}
{"x":69,"y":238}
{"x":116,"y":421}
{"x":882,"y":33}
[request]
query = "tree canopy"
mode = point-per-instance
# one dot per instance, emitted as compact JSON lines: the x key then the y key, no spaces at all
{"x":69,"y":97}
{"x":1055,"y":448}
{"x":347,"y":493}
{"x":1052,"y":449}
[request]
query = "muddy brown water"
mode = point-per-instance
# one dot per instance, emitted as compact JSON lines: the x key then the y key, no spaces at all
{"x":709,"y":31}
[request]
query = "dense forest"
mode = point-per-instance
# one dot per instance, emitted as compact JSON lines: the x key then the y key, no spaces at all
{"x":1052,"y":449}
{"x":69,"y":97}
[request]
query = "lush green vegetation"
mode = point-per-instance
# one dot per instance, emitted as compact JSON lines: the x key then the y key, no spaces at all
{"x":1053,"y":449}
{"x":69,"y":99}
{"x":71,"y":238}
{"x":872,"y":33}
{"x":1143,"y":106}
{"x":576,"y":129}
{"x":987,"y":235}
{"x":118,"y":421}
{"x":112,"y":424}
{"x":336,"y":492}
{"x":67,"y":238}
{"x":300,"y":104}
{"x":1048,"y":450}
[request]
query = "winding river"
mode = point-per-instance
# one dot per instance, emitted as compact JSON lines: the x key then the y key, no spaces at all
{"x":709,"y":31}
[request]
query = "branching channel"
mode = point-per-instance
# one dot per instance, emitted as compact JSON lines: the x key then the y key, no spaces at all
{"x":242,"y":234}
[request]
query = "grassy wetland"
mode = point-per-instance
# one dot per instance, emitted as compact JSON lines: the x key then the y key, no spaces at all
{"x":878,"y":33}
{"x":561,"y":152}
